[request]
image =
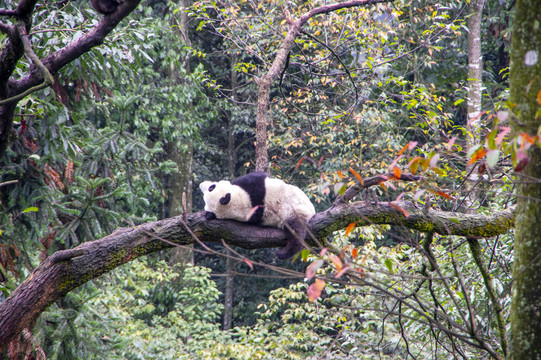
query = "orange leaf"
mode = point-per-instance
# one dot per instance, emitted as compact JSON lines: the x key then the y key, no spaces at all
{"x":357,"y":176}
{"x":336,"y":262}
{"x":443,"y":194}
{"x":397,"y":172}
{"x":249,"y":263}
{"x":539,"y":97}
{"x":354,"y":252}
{"x":410,"y":146}
{"x":479,"y":154}
{"x":300,"y":162}
{"x":403,"y":211}
{"x":340,"y":174}
{"x":314,"y":290}
{"x":350,"y":228}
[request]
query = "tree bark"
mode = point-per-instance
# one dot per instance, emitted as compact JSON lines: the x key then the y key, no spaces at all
{"x":181,"y":182}
{"x":67,"y":269}
{"x":277,"y":66}
{"x":229,"y":291}
{"x":475,"y":66}
{"x":525,"y":78}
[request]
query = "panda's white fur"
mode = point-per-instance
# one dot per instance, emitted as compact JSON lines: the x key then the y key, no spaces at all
{"x":282,"y":204}
{"x":282,"y":201}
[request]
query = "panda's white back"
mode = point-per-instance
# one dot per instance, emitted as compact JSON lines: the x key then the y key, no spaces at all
{"x":284,"y":202}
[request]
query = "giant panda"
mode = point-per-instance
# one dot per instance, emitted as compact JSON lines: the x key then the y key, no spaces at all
{"x":258,"y":199}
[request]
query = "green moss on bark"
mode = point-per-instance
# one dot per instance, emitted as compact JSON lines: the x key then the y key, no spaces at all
{"x":525,"y":80}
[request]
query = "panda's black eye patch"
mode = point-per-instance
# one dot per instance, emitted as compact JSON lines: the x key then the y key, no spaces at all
{"x":226,"y":199}
{"x":211,"y":187}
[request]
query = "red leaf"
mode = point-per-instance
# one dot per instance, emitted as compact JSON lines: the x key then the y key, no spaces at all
{"x":300,"y":162}
{"x":355,"y":252}
{"x":522,"y":160}
{"x":341,"y":272}
{"x":251,"y":212}
{"x":451,"y":143}
{"x":433,"y":161}
{"x":504,"y":131}
{"x":249,"y":263}
{"x":314,"y":290}
{"x":312,"y":269}
{"x":403,"y":211}
{"x":443,"y":194}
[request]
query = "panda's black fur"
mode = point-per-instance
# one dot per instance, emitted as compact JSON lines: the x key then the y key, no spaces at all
{"x":271,"y":202}
{"x":254,"y":185}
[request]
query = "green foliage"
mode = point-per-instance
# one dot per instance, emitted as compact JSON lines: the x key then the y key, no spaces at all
{"x":140,"y":311}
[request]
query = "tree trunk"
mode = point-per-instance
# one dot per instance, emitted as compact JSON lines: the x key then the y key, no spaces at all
{"x":180,"y":183}
{"x":231,"y":156}
{"x":475,"y":91}
{"x":475,"y":66}
{"x":525,"y":80}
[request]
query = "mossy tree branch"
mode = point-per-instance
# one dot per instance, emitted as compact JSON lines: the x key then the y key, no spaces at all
{"x":68,"y":269}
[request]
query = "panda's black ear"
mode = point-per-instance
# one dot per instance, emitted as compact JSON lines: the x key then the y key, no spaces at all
{"x":226,"y":199}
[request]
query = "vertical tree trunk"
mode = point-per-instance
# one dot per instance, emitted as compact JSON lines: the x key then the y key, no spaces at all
{"x":181,"y":182}
{"x":475,"y":65}
{"x":525,"y":78}
{"x":232,"y":159}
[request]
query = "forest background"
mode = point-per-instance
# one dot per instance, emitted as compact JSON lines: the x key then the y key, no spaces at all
{"x":406,"y":102}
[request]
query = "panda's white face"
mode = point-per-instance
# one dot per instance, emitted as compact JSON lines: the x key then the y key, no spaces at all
{"x":225,"y":200}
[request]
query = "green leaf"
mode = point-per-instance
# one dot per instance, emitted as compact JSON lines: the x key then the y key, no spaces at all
{"x":30,"y":209}
{"x":492,"y":157}
{"x":389,"y":264}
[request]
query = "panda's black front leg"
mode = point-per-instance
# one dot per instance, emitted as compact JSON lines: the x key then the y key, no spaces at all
{"x":209,"y":215}
{"x":295,"y":232}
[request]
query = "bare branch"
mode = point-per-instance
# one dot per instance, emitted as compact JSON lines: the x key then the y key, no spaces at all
{"x":276,"y":68}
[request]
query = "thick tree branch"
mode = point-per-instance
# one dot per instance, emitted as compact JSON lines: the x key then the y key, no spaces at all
{"x":67,"y":269}
{"x":48,"y":78}
{"x":85,"y":43}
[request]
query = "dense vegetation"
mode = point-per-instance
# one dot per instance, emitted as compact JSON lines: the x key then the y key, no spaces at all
{"x":171,"y":99}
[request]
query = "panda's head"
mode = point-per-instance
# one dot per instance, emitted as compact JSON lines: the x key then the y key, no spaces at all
{"x":225,"y":200}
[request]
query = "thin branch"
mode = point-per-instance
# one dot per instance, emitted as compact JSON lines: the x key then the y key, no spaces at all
{"x":476,"y":252}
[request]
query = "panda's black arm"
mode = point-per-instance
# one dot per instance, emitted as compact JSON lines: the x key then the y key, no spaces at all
{"x":209,"y":215}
